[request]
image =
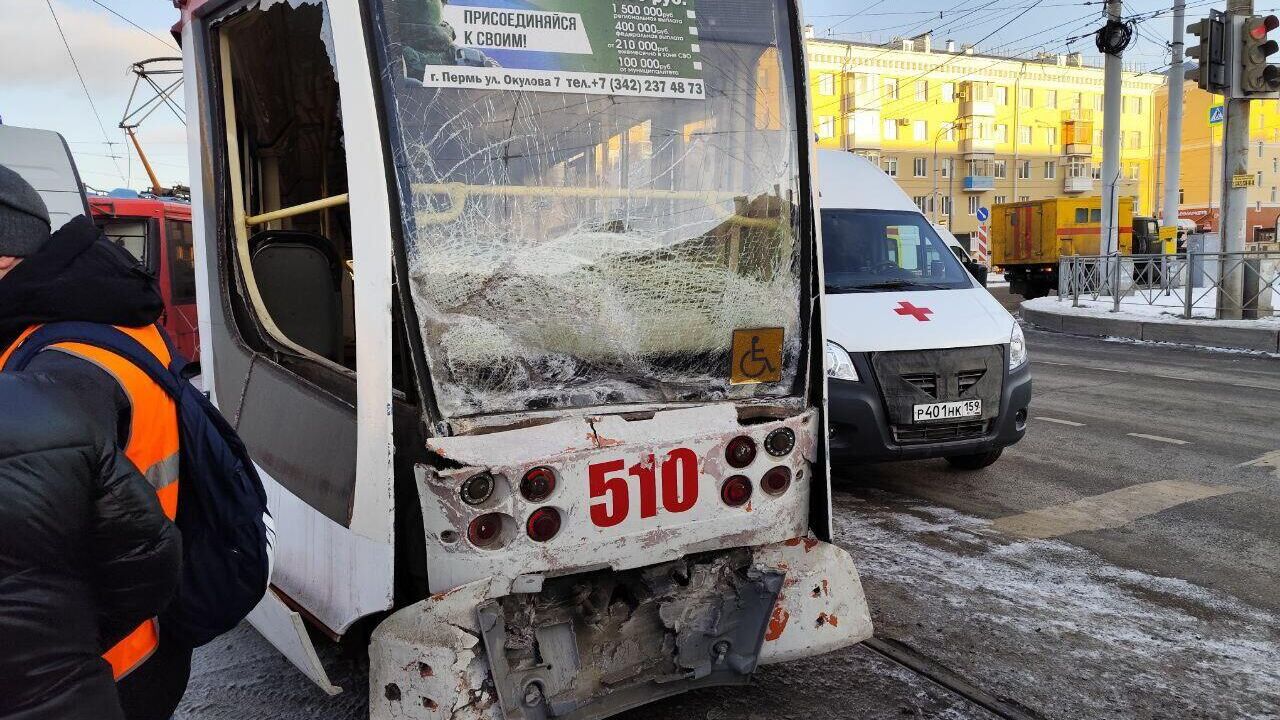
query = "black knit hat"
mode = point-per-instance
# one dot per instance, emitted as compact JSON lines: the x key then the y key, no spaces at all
{"x":24,"y":219}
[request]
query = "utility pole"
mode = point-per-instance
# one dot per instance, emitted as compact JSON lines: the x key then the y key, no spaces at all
{"x":1173,"y":146}
{"x":1235,"y":200}
{"x":1113,"y":79}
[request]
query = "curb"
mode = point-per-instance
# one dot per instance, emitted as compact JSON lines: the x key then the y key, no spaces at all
{"x":1203,"y":335}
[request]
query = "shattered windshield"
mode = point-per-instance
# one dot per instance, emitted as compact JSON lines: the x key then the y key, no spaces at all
{"x":596,"y":196}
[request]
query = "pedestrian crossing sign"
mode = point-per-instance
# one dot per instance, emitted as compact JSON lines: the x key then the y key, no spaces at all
{"x":1215,"y":115}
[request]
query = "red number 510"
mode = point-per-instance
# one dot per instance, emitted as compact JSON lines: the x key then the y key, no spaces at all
{"x":611,"y":493}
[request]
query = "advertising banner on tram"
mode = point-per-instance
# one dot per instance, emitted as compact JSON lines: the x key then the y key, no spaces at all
{"x":645,"y":48}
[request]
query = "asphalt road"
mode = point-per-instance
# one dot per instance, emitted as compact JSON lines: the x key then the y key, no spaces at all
{"x":1123,"y":561}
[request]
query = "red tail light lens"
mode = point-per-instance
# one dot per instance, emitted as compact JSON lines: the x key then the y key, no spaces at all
{"x":740,"y":451}
{"x":485,"y":530}
{"x":777,"y":480}
{"x":735,"y":491}
{"x":543,"y":524}
{"x":538,"y":484}
{"x":780,"y":442}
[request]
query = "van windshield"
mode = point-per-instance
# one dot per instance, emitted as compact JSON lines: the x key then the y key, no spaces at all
{"x":883,"y":251}
{"x":589,"y":215}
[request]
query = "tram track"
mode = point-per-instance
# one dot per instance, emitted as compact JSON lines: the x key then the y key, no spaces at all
{"x":944,"y":677}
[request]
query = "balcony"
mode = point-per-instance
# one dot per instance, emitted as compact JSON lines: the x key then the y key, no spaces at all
{"x":977,"y":146}
{"x":1077,"y":185}
{"x":1078,"y":149}
{"x":976,"y":108}
{"x":979,"y":183}
{"x":863,"y":130}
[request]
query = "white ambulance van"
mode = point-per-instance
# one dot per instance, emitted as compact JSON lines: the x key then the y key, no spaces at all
{"x":922,"y":361}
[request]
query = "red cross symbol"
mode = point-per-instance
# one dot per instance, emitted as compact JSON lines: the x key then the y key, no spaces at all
{"x":906,"y":308}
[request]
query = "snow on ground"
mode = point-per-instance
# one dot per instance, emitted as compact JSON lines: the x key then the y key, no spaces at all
{"x":1056,"y":627}
{"x":1157,"y":307}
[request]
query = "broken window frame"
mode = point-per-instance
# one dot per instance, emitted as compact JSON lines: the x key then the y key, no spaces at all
{"x":232,"y":207}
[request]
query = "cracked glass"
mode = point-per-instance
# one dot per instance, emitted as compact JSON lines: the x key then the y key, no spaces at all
{"x":575,"y":250}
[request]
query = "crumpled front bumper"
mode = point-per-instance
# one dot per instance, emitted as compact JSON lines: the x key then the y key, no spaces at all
{"x":715,"y":617}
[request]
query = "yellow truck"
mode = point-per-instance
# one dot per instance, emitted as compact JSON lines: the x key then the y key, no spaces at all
{"x":1027,"y":238}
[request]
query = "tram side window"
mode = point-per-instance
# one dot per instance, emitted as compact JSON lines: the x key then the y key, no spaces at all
{"x":131,"y":235}
{"x":182,"y":262}
{"x":288,"y":132}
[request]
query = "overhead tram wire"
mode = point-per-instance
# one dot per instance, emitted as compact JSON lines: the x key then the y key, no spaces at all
{"x":83,"y":85}
{"x":155,"y":37}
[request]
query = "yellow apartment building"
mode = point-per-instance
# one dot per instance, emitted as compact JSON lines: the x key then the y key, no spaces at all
{"x":1201,"y":170}
{"x":961,"y":130}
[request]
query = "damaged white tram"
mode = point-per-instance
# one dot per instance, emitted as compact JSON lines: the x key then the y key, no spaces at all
{"x":525,"y":336}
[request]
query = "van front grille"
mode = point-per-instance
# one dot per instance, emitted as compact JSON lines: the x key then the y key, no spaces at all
{"x":966,"y":379}
{"x":924,"y":382}
{"x":940,"y":432}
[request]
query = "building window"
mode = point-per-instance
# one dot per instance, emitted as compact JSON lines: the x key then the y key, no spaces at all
{"x":1050,"y":169}
{"x":920,"y":130}
{"x":944,"y":167}
{"x":1258,"y":178}
{"x":890,"y":129}
{"x":1024,"y":198}
{"x":999,"y":200}
{"x":1051,"y":98}
{"x":891,"y":167}
{"x":949,"y":130}
{"x":1273,"y":193}
{"x":1028,"y":98}
{"x":1275,"y":165}
{"x":891,"y":88}
{"x":1024,"y":134}
{"x":920,"y":167}
{"x":948,"y":92}
{"x":861,"y":83}
{"x":826,"y":84}
{"x":1097,"y":103}
{"x":1000,"y":169}
{"x":1134,"y":139}
{"x":1096,"y":172}
{"x":1051,"y":135}
{"x":945,"y":205}
{"x":1260,"y":145}
{"x":1024,"y":170}
{"x":826,"y":126}
{"x":1002,"y":133}
{"x":1097,"y":138}
{"x":1002,"y":95}
{"x":975,"y":202}
{"x":922,"y":202}
{"x":922,"y":90}
{"x":1135,"y":171}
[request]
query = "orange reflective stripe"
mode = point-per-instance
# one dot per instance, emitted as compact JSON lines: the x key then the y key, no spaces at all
{"x":168,"y":496}
{"x":134,"y":649}
{"x":4,"y":357}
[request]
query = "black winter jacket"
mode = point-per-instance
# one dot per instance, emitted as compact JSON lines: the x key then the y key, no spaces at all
{"x":86,"y":554}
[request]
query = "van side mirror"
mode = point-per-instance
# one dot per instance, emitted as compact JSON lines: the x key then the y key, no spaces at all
{"x":978,"y":271}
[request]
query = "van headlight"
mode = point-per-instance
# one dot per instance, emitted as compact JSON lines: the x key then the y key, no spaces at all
{"x":839,"y":366}
{"x":1017,"y":347}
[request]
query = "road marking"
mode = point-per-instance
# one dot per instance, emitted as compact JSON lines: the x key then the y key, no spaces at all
{"x":1159,"y":438}
{"x":1109,"y":510}
{"x":1162,"y":376}
{"x":1072,"y":423}
{"x":1269,"y":460}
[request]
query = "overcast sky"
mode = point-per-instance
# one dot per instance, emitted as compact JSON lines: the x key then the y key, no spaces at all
{"x":39,"y":87}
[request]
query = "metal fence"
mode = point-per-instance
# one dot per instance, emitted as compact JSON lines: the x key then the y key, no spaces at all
{"x":1190,"y":285}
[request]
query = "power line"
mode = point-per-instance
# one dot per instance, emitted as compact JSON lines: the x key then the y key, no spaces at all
{"x":83,"y":85}
{"x":157,"y":38}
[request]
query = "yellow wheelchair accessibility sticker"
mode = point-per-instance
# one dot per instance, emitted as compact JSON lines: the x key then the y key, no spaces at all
{"x":757,"y":356}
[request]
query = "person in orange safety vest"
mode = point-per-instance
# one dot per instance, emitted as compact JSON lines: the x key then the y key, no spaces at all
{"x":77,"y":274}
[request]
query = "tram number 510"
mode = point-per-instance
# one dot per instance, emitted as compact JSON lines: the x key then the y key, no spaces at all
{"x":611,"y":492}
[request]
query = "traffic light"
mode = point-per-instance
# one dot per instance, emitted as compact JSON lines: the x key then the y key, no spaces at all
{"x":1256,"y":74}
{"x":1211,"y":54}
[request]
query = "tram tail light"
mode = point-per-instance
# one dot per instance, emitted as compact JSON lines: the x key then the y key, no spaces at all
{"x":740,"y":451}
{"x":538,"y":484}
{"x":485,"y":530}
{"x":777,"y":480}
{"x":543,"y":524}
{"x":780,"y":441}
{"x":477,"y":488}
{"x":736,"y":491}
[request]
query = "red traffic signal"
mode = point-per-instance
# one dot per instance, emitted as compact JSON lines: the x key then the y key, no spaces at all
{"x":1266,"y":25}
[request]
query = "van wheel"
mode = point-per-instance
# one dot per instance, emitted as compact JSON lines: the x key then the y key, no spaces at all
{"x":974,"y":462}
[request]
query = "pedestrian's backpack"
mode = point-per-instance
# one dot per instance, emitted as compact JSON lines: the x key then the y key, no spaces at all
{"x":222,"y":508}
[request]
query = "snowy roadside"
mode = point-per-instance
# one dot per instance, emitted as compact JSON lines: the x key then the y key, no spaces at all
{"x":1055,"y":626}
{"x":1162,"y":309}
